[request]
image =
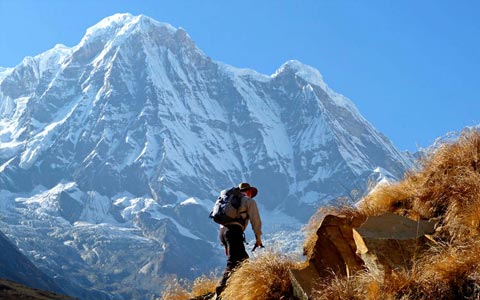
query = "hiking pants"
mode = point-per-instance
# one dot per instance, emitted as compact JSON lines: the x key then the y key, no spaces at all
{"x":232,"y":239}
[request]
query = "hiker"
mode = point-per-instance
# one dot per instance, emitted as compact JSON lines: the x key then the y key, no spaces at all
{"x":232,"y":234}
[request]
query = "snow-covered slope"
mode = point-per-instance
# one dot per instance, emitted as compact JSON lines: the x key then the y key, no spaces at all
{"x":113,"y":151}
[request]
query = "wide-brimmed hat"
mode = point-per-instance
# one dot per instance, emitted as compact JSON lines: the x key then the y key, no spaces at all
{"x":245,"y":186}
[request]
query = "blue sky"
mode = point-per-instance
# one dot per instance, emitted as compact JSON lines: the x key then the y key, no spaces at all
{"x":411,"y":67}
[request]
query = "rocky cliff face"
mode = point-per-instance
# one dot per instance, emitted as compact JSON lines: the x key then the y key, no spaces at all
{"x":114,"y":150}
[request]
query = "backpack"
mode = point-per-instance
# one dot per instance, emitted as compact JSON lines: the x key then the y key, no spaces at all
{"x":226,"y":207}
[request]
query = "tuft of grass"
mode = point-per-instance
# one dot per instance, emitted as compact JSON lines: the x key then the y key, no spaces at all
{"x":177,"y":289}
{"x":336,"y":288}
{"x":394,"y":198}
{"x":265,"y":277}
{"x":205,"y":284}
{"x":450,"y":271}
{"x":367,"y":285}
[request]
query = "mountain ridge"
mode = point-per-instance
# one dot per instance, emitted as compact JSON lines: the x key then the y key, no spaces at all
{"x":105,"y":141}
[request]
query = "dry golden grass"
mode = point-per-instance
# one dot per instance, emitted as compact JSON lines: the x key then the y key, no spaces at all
{"x":395,"y":198}
{"x":176,"y":289}
{"x":204,"y":285}
{"x":362,"y":286}
{"x":450,"y":271}
{"x":337,"y":288}
{"x":446,"y":188}
{"x":265,"y":277}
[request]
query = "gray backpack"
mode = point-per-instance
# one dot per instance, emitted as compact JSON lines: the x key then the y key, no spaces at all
{"x":226,"y":207}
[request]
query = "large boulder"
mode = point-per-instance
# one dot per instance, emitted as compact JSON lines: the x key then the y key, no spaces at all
{"x":390,"y":241}
{"x":348,"y":244}
{"x":335,"y":249}
{"x":334,"y":254}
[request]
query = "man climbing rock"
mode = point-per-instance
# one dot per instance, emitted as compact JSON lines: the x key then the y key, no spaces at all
{"x":232,"y":234}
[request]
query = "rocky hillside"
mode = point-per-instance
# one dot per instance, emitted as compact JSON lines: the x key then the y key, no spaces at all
{"x":416,"y":239}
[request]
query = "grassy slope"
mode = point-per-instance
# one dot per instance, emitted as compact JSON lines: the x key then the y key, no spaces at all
{"x":445,"y":188}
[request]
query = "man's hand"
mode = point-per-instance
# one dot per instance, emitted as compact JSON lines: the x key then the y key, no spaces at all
{"x":258,"y":243}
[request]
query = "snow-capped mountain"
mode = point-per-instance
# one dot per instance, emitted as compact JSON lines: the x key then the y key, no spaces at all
{"x":113,"y":151}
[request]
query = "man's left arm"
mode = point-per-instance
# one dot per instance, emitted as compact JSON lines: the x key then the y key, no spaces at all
{"x":256,"y":222}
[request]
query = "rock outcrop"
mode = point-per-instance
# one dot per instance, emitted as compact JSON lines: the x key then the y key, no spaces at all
{"x":346,"y":245}
{"x":335,"y":249}
{"x":334,"y":253}
{"x":391,"y":241}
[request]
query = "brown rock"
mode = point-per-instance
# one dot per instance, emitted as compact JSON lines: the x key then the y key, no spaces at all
{"x":391,"y":241}
{"x":335,"y":249}
{"x":334,"y":253}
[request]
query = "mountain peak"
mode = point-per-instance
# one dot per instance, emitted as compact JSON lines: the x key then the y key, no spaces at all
{"x":122,"y":23}
{"x":302,"y":70}
{"x":313,"y":76}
